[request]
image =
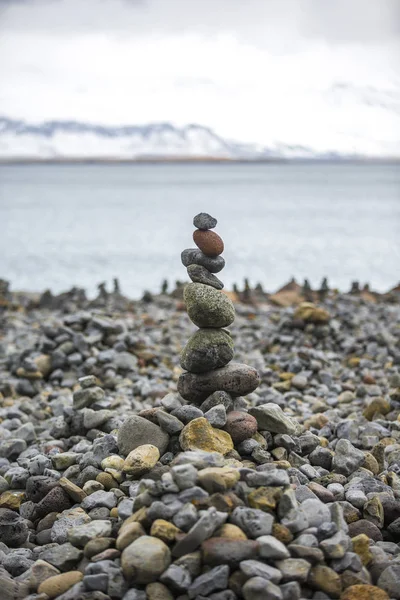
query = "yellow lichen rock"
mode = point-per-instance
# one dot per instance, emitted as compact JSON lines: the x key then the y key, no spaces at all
{"x":200,"y":435}
{"x":310,"y":313}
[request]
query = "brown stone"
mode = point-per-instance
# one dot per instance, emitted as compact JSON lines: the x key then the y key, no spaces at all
{"x":158,"y":591}
{"x":233,"y":532}
{"x":240,"y":426}
{"x":97,"y":545}
{"x":218,"y":479}
{"x":265,"y":498}
{"x":380,"y":406}
{"x":366,"y":527}
{"x":164,"y":530}
{"x":58,"y":584}
{"x":325,"y":579}
{"x":364,"y":592}
{"x":361,"y":547}
{"x":282,"y":533}
{"x":209,"y":242}
{"x":129,"y":533}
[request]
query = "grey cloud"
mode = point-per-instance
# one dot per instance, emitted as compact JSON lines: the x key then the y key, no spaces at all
{"x":260,"y":22}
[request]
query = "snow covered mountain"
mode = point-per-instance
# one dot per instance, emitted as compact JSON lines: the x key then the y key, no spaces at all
{"x":71,"y":140}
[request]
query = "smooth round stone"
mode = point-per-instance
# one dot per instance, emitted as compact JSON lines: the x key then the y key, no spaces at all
{"x":204,"y":221}
{"x":237,"y":379}
{"x":58,"y":584}
{"x":145,"y":559}
{"x":208,"y":307}
{"x":199,"y":274}
{"x":207,"y":349}
{"x":240,"y":426}
{"x":209,"y":242}
{"x":194,"y":256}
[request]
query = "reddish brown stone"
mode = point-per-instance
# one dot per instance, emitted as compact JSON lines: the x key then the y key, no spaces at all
{"x":209,"y":242}
{"x":240,"y":426}
{"x":150,"y":414}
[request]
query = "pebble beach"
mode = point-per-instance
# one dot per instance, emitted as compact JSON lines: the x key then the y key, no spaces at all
{"x":199,"y":444}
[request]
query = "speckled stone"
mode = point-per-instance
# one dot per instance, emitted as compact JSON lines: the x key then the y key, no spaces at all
{"x":208,"y":242}
{"x":204,"y":221}
{"x":208,"y":307}
{"x":207,"y":349}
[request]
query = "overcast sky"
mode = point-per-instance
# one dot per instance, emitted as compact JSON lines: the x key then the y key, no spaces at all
{"x":255,"y":70}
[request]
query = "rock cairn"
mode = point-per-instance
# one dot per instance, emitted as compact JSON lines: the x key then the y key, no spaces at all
{"x":211,"y":380}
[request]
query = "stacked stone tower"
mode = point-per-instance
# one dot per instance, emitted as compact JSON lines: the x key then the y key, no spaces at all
{"x":210,"y":378}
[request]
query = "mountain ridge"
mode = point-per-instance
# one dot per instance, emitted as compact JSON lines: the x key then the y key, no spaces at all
{"x":70,"y":140}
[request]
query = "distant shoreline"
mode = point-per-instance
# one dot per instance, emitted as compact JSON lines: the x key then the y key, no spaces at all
{"x":195,"y":160}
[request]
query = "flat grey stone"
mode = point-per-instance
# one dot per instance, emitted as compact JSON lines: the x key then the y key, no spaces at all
{"x":215,"y":579}
{"x":271,"y":417}
{"x":253,"y":522}
{"x":136,"y":431}
{"x":202,"y":530}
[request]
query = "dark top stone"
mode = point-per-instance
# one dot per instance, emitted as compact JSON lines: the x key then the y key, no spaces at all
{"x":204,"y":221}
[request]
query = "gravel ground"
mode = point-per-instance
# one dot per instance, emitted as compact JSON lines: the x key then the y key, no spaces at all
{"x":114,"y":486}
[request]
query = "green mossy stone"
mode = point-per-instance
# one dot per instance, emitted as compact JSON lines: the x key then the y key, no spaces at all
{"x":208,"y":307}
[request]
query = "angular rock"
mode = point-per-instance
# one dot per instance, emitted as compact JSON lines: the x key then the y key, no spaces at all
{"x":13,"y":529}
{"x":271,"y":417}
{"x":347,"y":458}
{"x":137,"y":431}
{"x":215,"y":579}
{"x":200,"y":435}
{"x":202,"y":530}
{"x":199,"y":274}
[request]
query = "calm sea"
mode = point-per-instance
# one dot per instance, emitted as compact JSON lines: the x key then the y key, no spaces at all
{"x":82,"y":224}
